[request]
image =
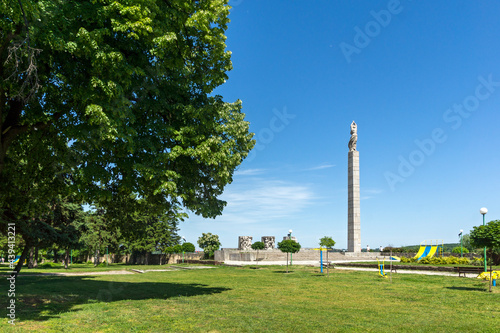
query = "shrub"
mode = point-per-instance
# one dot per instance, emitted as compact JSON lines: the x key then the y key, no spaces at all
{"x":478,"y":262}
{"x":408,"y":260}
{"x":458,"y":250}
{"x":49,"y":265}
{"x":444,"y":261}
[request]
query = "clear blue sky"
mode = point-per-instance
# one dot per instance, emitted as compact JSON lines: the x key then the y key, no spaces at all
{"x":422,"y":81}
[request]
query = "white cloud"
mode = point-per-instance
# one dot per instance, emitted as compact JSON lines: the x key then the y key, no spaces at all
{"x":370,"y":193}
{"x":249,"y":172}
{"x":264,"y":200}
{"x":322,"y":166}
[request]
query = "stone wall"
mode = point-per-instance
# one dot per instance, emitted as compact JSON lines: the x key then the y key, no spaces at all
{"x":226,"y":255}
{"x":149,"y":259}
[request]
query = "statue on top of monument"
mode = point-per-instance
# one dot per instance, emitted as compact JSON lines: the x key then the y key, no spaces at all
{"x":354,"y":136}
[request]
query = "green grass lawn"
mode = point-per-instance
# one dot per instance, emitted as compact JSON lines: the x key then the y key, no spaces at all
{"x":231,"y":299}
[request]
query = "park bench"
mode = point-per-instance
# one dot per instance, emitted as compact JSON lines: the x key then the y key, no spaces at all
{"x":328,"y":264}
{"x":464,"y":270}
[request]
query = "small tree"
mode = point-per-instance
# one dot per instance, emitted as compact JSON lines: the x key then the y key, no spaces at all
{"x":288,"y":246}
{"x":487,"y":236}
{"x":258,"y":246}
{"x":177,"y":248}
{"x":188,"y":247}
{"x":209,"y":243}
{"x":329,"y":243}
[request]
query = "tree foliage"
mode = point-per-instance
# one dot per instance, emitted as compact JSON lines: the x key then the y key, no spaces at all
{"x":188,"y":247}
{"x":327,"y":242}
{"x":258,"y":246}
{"x":459,"y":250}
{"x":289,"y":246}
{"x":209,"y":243}
{"x":466,"y":242}
{"x":112,"y":101}
{"x":486,"y":235}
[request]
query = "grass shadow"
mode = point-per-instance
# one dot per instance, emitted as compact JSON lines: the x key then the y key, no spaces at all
{"x":43,"y":298}
{"x":466,"y":288}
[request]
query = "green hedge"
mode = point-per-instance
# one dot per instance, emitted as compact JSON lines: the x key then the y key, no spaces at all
{"x":439,"y":261}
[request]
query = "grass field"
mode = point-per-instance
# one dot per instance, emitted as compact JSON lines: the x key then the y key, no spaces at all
{"x":231,"y":299}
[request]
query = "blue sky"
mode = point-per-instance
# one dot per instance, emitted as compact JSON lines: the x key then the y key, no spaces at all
{"x":422,"y":81}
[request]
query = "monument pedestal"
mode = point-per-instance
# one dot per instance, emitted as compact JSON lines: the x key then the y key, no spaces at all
{"x":353,"y":213}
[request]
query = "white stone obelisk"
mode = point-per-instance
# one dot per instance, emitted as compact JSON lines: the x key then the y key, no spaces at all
{"x":353,"y":211}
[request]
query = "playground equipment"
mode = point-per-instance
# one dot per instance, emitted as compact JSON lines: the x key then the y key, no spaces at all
{"x":429,"y":249}
{"x":381,"y":268}
{"x":495,"y":275}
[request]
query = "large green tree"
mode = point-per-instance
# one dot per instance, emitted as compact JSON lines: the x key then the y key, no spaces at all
{"x":117,"y":96}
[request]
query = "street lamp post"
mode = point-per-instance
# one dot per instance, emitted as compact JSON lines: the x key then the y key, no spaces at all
{"x":461,"y":250}
{"x":483,"y":212}
{"x":290,"y":237}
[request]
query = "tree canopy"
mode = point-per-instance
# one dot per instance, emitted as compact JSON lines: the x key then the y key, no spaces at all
{"x":112,"y":102}
{"x":487,"y":235}
{"x":289,"y":246}
{"x":327,"y":242}
{"x":258,"y":246}
{"x":209,"y":243}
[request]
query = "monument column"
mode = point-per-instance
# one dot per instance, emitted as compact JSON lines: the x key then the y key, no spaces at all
{"x":353,"y":211}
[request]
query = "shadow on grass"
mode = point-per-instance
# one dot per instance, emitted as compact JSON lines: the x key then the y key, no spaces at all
{"x":43,"y":298}
{"x":467,"y":288}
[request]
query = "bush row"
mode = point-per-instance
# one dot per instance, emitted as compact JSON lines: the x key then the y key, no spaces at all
{"x":445,"y":261}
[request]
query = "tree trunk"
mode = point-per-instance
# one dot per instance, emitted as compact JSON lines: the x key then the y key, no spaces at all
{"x":19,"y":265}
{"x":35,"y":261}
{"x":66,"y":259}
{"x":30,"y":258}
{"x":97,"y":258}
{"x":55,"y":256}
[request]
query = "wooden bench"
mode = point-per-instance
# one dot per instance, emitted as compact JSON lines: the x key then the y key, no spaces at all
{"x":464,"y":270}
{"x":328,"y":264}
